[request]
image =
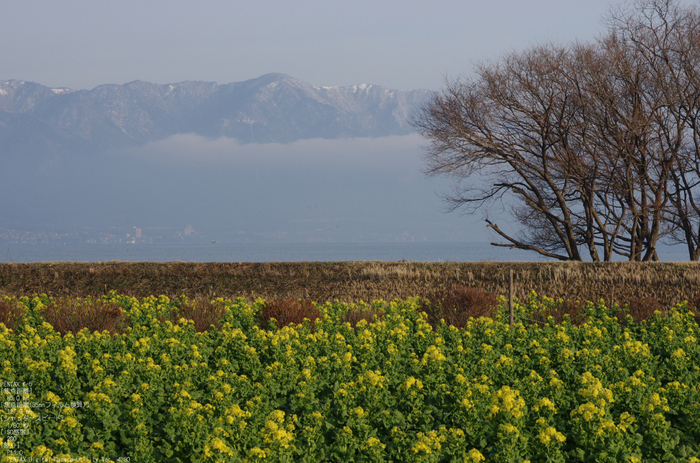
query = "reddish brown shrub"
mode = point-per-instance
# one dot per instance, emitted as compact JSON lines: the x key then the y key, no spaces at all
{"x":286,"y":311}
{"x":643,"y":308}
{"x":72,"y":315}
{"x":694,"y":303}
{"x":694,"y":307}
{"x":12,"y":313}
{"x":457,"y":305}
{"x":203,"y":312}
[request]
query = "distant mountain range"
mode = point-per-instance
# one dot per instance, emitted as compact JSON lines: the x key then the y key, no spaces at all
{"x":271,"y":108}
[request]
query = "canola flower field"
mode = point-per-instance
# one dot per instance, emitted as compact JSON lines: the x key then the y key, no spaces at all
{"x":392,"y":389}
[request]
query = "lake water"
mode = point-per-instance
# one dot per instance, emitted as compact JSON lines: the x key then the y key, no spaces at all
{"x":279,"y":252}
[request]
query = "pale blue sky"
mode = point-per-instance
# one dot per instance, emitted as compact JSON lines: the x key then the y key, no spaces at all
{"x":396,"y":44}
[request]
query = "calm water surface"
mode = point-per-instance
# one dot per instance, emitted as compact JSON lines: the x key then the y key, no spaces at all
{"x":278,"y":252}
{"x":261,"y":252}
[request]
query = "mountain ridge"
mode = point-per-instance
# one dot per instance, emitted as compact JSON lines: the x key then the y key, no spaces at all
{"x":271,"y":108}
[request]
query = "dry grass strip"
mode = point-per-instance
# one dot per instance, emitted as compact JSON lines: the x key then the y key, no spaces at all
{"x":621,"y":282}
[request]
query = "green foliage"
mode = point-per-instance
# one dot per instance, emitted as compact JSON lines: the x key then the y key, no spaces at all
{"x":363,"y":383}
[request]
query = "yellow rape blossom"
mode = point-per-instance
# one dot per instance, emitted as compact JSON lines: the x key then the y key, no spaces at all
{"x":507,"y":400}
{"x":219,"y":445}
{"x":678,"y":354}
{"x":550,"y":434}
{"x":275,"y":432}
{"x":655,"y":401}
{"x":411,"y":382}
{"x":467,"y":404}
{"x":109,"y":383}
{"x":545,"y":403}
{"x":474,"y":456}
{"x":427,"y":443}
{"x":97,"y":446}
{"x":588,"y":411}
{"x":504,"y":360}
{"x":257,"y":452}
{"x":509,"y":429}
{"x":70,"y":422}
{"x":374,"y":377}
{"x":605,"y":426}
{"x":40,"y":451}
{"x":595,"y":392}
{"x":626,"y":421}
{"x":433,"y":354}
{"x":374,"y":442}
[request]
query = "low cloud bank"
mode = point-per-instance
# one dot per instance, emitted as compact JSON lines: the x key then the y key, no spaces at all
{"x":385,"y":152}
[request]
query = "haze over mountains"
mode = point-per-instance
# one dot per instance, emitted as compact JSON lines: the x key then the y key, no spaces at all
{"x":271,"y":108}
{"x":268,"y":159}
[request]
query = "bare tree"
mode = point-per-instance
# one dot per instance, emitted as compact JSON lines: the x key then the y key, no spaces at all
{"x":624,"y":126}
{"x":595,"y":144}
{"x":519,"y":123}
{"x":666,"y":37}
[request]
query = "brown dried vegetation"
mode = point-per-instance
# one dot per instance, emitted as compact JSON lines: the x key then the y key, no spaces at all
{"x":355,"y":315}
{"x":574,"y":311}
{"x":287,"y":311}
{"x":11,"y":313}
{"x":694,"y":306}
{"x":72,"y":315}
{"x":643,"y":308}
{"x":203,"y":312}
{"x":458,"y":304}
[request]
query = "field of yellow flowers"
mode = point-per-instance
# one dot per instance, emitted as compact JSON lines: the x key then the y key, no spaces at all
{"x":387,"y":387}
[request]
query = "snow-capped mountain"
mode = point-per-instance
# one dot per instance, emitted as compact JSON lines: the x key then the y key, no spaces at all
{"x":271,"y":108}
